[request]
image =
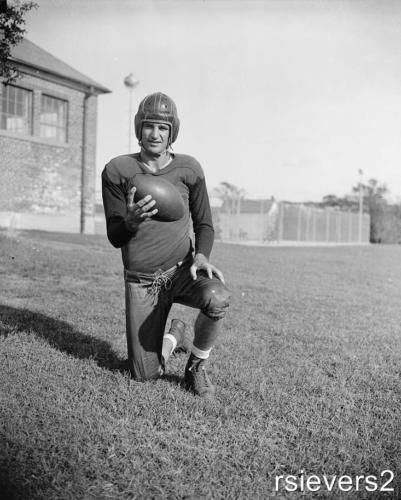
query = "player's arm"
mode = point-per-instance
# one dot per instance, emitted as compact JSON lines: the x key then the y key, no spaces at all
{"x":203,"y":229}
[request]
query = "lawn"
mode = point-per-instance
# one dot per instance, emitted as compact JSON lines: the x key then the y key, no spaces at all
{"x":307,"y":368}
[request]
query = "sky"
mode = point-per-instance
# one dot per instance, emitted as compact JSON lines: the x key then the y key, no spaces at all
{"x":283,"y":98}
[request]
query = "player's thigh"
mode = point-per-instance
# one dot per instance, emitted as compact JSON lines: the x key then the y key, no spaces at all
{"x":210,"y":295}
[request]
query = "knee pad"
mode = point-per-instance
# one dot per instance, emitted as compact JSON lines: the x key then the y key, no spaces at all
{"x":217,"y":300}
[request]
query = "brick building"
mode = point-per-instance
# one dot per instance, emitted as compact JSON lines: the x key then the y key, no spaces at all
{"x":48,"y":144}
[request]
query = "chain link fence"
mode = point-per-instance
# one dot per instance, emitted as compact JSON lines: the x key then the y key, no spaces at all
{"x":286,"y":222}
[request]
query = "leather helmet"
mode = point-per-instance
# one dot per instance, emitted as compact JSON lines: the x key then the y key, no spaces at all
{"x":157,"y":108}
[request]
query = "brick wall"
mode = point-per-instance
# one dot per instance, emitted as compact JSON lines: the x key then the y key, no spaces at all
{"x":41,"y":181}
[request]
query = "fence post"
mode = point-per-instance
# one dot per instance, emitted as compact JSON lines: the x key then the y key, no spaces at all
{"x":307,"y":229}
{"x":280,"y":222}
{"x":299,"y":223}
{"x":313,"y":224}
{"x":349,"y":226}
{"x":238,"y":218}
{"x":328,"y":214}
{"x":338,"y":227}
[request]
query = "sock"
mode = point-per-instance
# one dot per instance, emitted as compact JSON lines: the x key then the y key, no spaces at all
{"x":169,"y":344}
{"x":199,"y":353}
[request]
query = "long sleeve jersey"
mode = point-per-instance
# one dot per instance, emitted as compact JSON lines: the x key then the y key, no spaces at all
{"x":156,"y":244}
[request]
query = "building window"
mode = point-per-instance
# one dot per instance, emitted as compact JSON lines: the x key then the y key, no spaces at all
{"x":53,"y":118}
{"x":16,"y":110}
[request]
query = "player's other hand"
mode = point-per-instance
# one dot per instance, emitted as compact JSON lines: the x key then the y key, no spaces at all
{"x":140,"y":211}
{"x":201,"y":263}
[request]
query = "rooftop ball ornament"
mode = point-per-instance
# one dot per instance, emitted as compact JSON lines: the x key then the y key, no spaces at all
{"x":130,"y":82}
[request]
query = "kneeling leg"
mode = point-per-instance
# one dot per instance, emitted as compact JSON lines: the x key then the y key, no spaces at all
{"x":212,"y":298}
{"x":145,"y":323}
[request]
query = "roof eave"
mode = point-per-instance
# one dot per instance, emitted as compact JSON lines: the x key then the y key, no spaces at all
{"x":53,"y":76}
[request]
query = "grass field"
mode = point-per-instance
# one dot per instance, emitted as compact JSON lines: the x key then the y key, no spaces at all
{"x":308,"y":372}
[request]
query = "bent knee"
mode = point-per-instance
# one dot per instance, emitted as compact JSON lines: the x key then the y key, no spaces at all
{"x":217,"y":300}
{"x":144,"y":374}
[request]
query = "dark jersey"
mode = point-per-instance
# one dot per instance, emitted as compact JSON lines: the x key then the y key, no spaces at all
{"x":155,"y":244}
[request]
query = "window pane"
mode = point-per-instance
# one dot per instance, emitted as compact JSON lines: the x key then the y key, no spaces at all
{"x":19,"y":96}
{"x":16,"y":109}
{"x":48,"y":132}
{"x":11,"y":91}
{"x":53,"y":118}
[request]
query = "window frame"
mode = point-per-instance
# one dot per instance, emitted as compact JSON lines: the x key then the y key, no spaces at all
{"x":28,"y":130}
{"x":42,"y":123}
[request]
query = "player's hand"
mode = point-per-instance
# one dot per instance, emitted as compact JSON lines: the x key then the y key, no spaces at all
{"x":140,"y":211}
{"x":201,"y":263}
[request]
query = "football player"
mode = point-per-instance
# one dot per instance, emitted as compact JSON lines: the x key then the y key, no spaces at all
{"x":162,"y":263}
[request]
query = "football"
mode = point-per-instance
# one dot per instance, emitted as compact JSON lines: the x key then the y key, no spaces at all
{"x":169,"y":202}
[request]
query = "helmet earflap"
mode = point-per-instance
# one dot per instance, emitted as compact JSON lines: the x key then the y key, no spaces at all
{"x":157,"y":108}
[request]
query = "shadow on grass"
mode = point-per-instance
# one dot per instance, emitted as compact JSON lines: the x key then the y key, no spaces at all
{"x":172,"y":378}
{"x":11,"y":491}
{"x":60,"y":335}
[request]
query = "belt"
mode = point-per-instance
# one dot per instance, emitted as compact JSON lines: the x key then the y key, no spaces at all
{"x":157,"y":275}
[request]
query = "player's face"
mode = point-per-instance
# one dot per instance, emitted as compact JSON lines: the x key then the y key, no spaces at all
{"x":155,"y":137}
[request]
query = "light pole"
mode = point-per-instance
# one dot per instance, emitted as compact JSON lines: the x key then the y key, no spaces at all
{"x":360,"y":171}
{"x":130,"y":82}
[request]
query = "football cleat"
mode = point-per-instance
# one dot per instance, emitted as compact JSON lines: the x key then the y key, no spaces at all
{"x":196,"y":378}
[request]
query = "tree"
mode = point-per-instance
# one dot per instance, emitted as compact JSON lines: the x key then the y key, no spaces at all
{"x":374,"y":198}
{"x":385,"y":218}
{"x":231,"y":196}
{"x":12,"y":30}
{"x":390,"y":227}
{"x":344,"y":203}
